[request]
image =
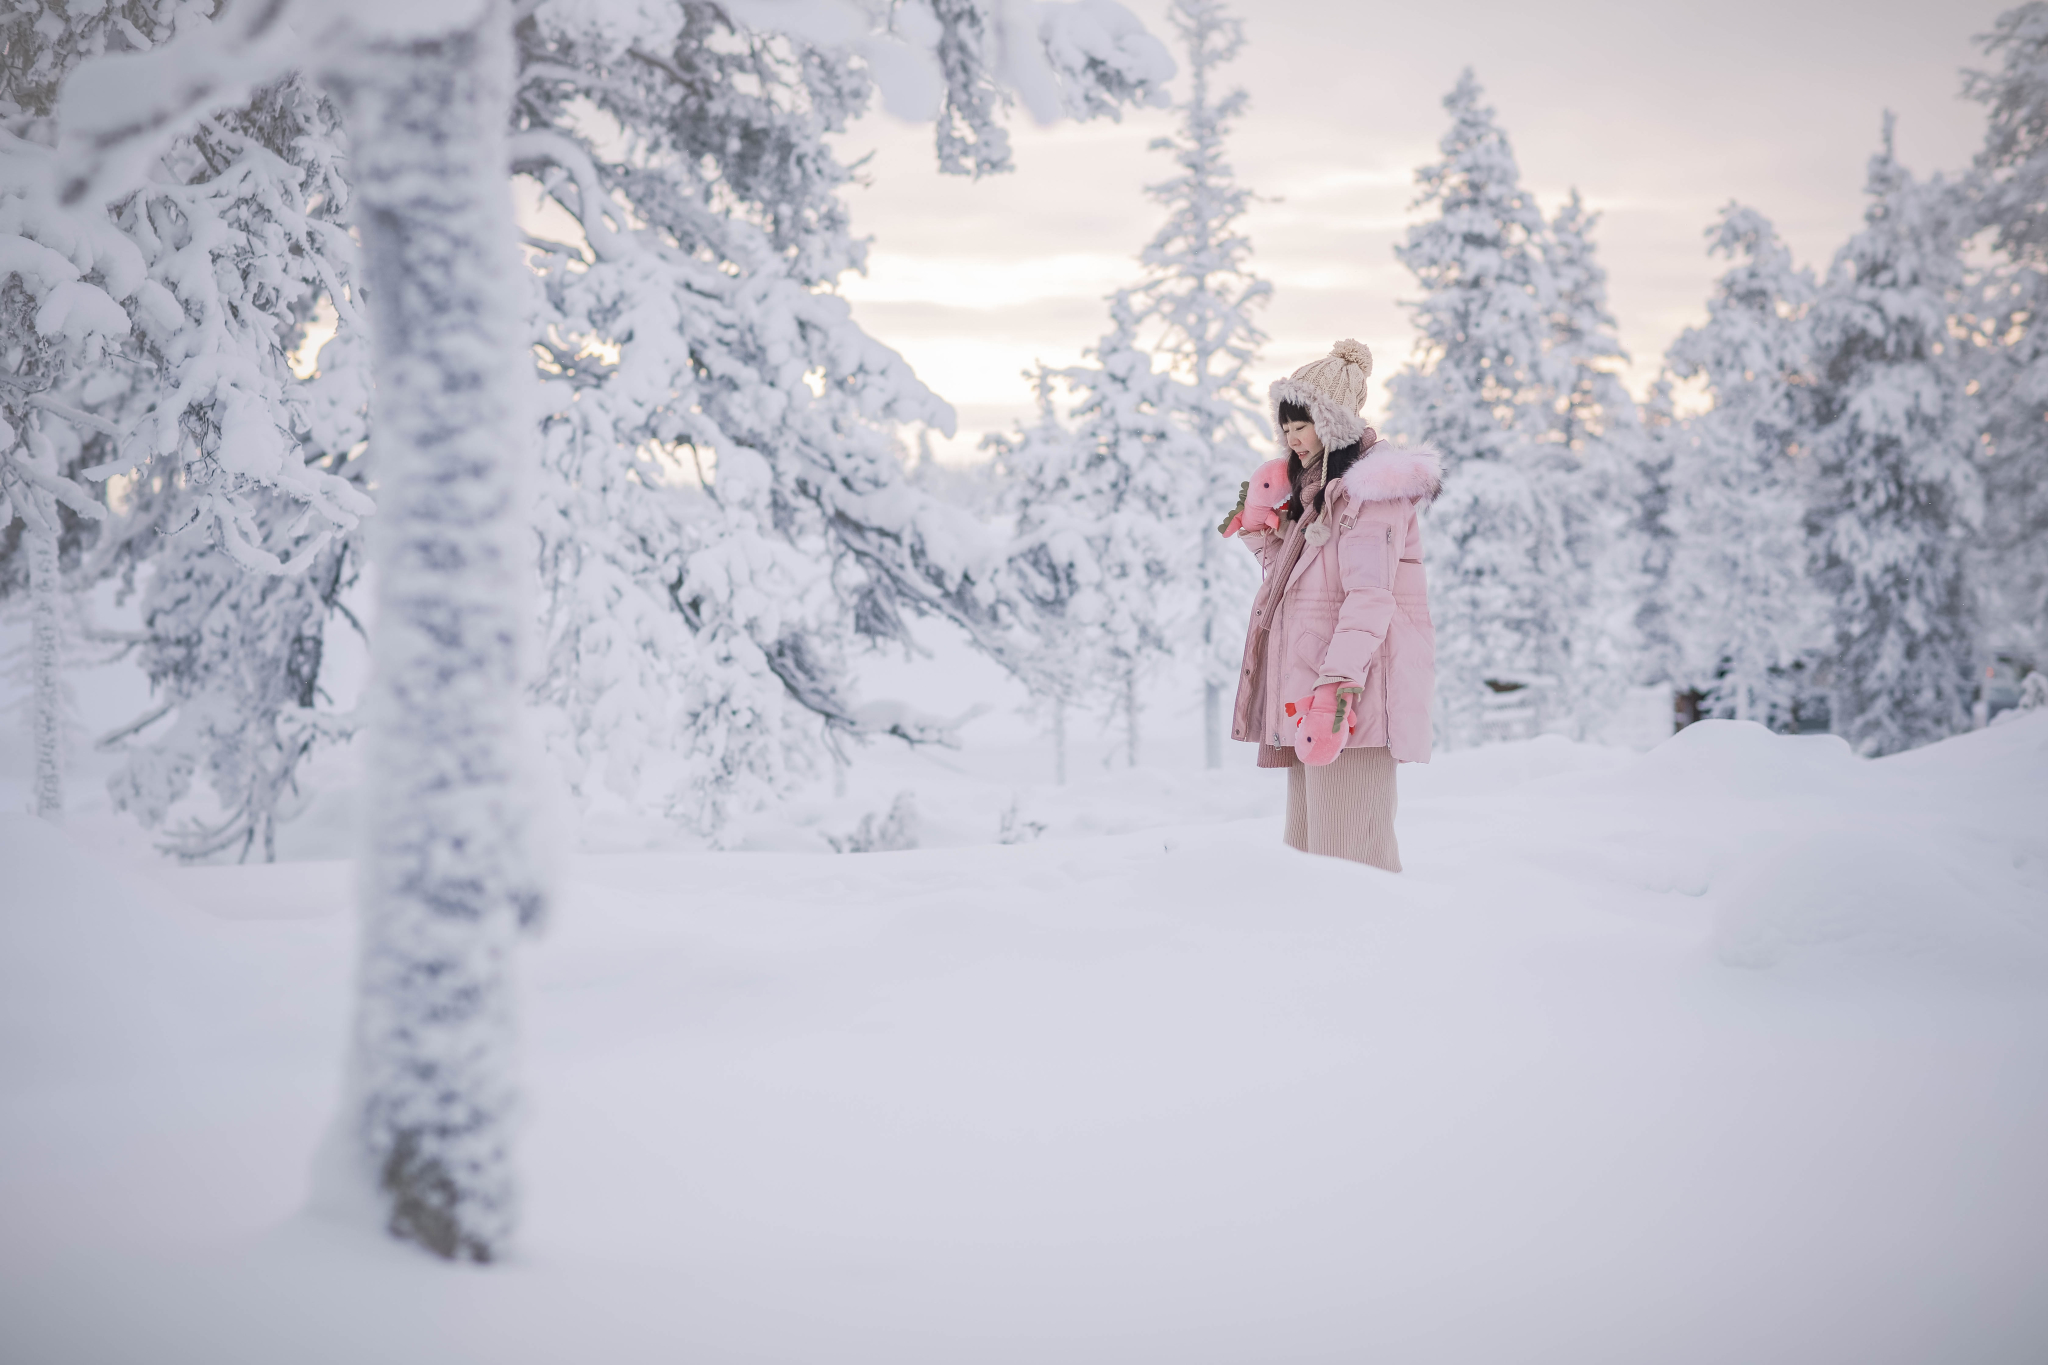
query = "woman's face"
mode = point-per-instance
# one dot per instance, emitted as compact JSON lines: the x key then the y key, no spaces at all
{"x":1302,"y":440}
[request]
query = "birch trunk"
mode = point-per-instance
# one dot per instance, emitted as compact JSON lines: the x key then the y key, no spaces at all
{"x":445,"y":882}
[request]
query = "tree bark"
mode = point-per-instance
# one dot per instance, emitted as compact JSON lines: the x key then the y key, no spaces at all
{"x":445,"y":880}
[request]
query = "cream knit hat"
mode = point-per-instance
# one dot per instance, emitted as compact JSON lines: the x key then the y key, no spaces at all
{"x":1333,"y":390}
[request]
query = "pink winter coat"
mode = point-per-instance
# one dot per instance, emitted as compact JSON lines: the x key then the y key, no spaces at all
{"x":1357,"y":610}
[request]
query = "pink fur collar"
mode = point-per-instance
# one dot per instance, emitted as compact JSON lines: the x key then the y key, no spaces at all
{"x":1391,"y":473}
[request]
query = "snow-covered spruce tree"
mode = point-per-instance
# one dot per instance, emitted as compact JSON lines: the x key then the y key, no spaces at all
{"x":62,"y":286}
{"x":1196,"y":314}
{"x":1650,"y":535}
{"x":242,"y":579}
{"x":1585,"y":350}
{"x":1597,"y":473}
{"x":1480,"y":390}
{"x":1117,"y":514}
{"x":724,"y":515}
{"x":1098,"y":554}
{"x":192,"y":289}
{"x":704,"y":509}
{"x":2007,"y":199}
{"x":1745,"y":617}
{"x":1895,"y":491}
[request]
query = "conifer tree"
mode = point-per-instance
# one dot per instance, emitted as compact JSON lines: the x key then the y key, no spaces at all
{"x":1895,"y":486}
{"x":715,"y":536}
{"x":1098,"y":557}
{"x":1117,"y":505}
{"x":1480,"y":389}
{"x":724,"y":517}
{"x":1595,"y":471}
{"x":2006,"y":198}
{"x":1584,"y":350}
{"x":149,"y":343}
{"x":242,"y":583}
{"x":1744,"y":613}
{"x":1651,"y":536}
{"x":1196,"y":310}
{"x":62,"y":286}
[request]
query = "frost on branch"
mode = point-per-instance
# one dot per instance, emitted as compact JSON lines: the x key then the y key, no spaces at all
{"x":1085,"y":59}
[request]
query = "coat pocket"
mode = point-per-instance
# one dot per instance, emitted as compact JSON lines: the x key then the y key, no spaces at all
{"x":1310,"y":648}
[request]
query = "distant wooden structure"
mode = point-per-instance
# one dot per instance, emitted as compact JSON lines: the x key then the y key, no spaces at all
{"x":1515,"y":706}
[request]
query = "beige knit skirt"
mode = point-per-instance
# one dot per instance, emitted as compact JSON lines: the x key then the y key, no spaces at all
{"x":1346,"y":808}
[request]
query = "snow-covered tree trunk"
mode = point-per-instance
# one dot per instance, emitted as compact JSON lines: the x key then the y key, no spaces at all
{"x":32,"y":484}
{"x":1212,"y":725}
{"x":445,"y":881}
{"x":39,"y":536}
{"x":1059,"y":743}
{"x":1131,"y":716}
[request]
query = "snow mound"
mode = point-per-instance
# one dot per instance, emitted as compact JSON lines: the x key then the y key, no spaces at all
{"x":1867,"y":893}
{"x":1933,"y":858}
{"x":1932,"y":863}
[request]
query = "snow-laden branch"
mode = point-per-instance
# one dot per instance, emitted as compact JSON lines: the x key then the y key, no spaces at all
{"x":537,"y":147}
{"x":58,"y":487}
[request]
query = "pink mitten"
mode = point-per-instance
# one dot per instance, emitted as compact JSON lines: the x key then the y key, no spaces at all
{"x":1270,"y":491}
{"x":1319,"y":731}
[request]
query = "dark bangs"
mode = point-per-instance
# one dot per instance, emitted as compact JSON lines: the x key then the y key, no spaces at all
{"x":1294,"y":412}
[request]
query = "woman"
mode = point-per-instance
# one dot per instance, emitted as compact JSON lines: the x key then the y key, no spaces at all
{"x":1339,"y":660}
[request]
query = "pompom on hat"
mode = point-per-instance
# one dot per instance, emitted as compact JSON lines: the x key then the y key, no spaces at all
{"x":1333,"y":390}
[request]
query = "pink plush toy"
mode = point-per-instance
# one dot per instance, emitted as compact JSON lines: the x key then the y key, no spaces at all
{"x":1267,"y":492}
{"x":1322,"y":723}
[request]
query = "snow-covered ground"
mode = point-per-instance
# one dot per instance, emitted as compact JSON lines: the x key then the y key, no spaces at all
{"x":1733,"y":1051}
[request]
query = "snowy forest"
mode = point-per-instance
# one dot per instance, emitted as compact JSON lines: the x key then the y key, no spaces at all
{"x":599,"y":514}
{"x":1826,"y":515}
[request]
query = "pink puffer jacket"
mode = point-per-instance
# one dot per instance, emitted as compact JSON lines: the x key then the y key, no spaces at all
{"x":1357,"y":610}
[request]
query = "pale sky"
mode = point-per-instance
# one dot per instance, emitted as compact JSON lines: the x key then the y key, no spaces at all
{"x":1659,"y":113}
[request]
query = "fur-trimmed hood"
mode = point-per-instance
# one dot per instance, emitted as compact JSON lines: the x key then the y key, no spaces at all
{"x":1335,"y":425}
{"x":1391,"y":473}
